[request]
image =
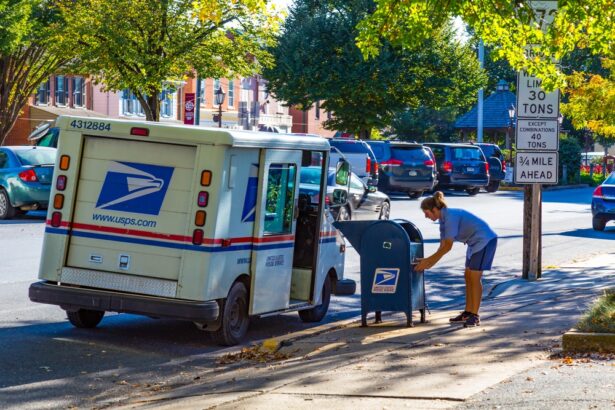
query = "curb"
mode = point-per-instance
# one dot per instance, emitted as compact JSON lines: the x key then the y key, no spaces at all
{"x":545,"y":188}
{"x":575,"y":341}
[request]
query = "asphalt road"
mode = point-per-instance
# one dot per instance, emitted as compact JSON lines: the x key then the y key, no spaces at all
{"x":44,"y":358}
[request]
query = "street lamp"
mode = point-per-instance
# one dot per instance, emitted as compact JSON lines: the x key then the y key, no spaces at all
{"x":220,"y":94}
{"x":511,"y":117}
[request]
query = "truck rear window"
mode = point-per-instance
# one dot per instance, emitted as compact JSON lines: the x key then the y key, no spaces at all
{"x":349,"y":146}
{"x":467,"y":154}
{"x":409,"y":153}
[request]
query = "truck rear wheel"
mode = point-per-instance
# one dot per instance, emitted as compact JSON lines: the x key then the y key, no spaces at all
{"x":493,"y":186}
{"x":85,"y":318}
{"x":235,"y":319}
{"x":316,"y":314}
{"x":473,"y":191}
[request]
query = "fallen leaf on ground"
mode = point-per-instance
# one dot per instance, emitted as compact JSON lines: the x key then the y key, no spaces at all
{"x":255,"y":354}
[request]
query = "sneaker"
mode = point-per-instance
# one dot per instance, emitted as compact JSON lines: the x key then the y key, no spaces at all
{"x":462,"y":317}
{"x":473,"y":320}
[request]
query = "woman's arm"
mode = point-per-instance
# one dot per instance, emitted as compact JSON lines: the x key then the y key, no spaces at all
{"x":425,"y":263}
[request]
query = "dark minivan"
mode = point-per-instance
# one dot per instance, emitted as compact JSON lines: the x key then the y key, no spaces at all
{"x":460,"y":167}
{"x":404,"y":166}
{"x":497,"y":165}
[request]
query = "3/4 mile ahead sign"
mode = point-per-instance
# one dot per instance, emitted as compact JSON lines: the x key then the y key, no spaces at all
{"x":536,"y":168}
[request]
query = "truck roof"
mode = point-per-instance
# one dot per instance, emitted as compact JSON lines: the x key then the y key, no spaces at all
{"x":193,"y":135}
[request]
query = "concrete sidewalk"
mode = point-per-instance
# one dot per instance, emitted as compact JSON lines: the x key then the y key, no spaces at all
{"x":504,"y":363}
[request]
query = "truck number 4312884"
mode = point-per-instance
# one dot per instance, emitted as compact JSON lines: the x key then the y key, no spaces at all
{"x":91,"y":125}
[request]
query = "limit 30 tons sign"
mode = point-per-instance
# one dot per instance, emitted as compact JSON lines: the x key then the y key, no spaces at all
{"x":536,"y":168}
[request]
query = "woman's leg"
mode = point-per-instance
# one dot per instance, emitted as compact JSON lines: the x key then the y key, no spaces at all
{"x":466,"y":276}
{"x":475,"y":289}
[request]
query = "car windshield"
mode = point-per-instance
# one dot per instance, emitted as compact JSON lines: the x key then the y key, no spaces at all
{"x":409,"y":153}
{"x":36,"y":156}
{"x":311,"y":175}
{"x":610,"y":180}
{"x":466,"y":153}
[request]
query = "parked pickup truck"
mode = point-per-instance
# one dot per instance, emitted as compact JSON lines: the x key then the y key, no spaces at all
{"x":360,"y":156}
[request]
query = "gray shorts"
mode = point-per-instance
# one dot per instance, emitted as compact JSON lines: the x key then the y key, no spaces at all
{"x":483,"y":259}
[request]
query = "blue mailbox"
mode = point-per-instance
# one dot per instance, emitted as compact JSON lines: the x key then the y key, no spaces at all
{"x":388,"y":279}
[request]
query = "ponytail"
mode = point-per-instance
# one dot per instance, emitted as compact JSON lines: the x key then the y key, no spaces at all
{"x":434,"y":201}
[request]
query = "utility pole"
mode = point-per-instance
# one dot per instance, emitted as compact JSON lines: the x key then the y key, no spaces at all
{"x":479,"y":122}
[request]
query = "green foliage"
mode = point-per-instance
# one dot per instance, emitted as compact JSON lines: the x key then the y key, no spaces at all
{"x":31,"y":49}
{"x":570,"y":157}
{"x":425,"y":125}
{"x":594,"y":180}
{"x":600,"y":318}
{"x":316,"y":59}
{"x":149,"y":45}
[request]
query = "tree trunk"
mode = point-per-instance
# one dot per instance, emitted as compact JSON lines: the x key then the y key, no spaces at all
{"x":151,"y":106}
{"x":364,"y":134}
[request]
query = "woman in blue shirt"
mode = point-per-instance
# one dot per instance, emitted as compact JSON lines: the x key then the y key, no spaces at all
{"x":460,"y":225}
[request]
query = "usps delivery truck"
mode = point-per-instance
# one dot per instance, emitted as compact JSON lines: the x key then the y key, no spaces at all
{"x":201,"y":224}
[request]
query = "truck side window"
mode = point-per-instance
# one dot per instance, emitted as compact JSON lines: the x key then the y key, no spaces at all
{"x":280,"y":198}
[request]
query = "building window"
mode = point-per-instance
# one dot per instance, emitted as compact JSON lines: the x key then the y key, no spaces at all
{"x":130,"y":104}
{"x":61,"y":90}
{"x":216,"y":86}
{"x":42,"y":94}
{"x":203,"y":93}
{"x":78,"y":91}
{"x":317,"y":110}
{"x":231,"y":93}
{"x":166,"y":104}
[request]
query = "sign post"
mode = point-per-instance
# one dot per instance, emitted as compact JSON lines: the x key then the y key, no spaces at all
{"x":537,"y":141}
{"x":189,"y":107}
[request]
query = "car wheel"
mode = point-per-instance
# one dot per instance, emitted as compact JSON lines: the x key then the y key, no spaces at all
{"x":385,"y":210}
{"x":235,"y":319}
{"x":598,"y":224}
{"x":472,"y":191}
{"x":316,"y":313}
{"x":85,"y":318}
{"x":343,"y":214}
{"x":7,"y":211}
{"x":493,"y":186}
{"x":415,"y":194}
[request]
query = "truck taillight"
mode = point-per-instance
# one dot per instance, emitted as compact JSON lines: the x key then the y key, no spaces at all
{"x":197,"y":237}
{"x":64,"y":162}
{"x":375,"y":168}
{"x":140,"y":132}
{"x":428,"y":163}
{"x":28,"y":176}
{"x":447,"y":166}
{"x":200,"y":218}
{"x":392,"y":162}
{"x":203,"y":198}
{"x":368,"y":165}
{"x":486,"y":167}
{"x":327,"y":200}
{"x":61,"y":183}
{"x":205,"y":178}
{"x":56,"y":219}
{"x":503,"y":165}
{"x":58,"y":201}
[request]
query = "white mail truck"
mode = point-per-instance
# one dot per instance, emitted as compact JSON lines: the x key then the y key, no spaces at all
{"x":201,"y":224}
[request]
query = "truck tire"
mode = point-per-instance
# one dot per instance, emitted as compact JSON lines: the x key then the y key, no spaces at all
{"x":85,"y":318}
{"x":385,"y":211}
{"x":7,"y":211}
{"x":493,"y":186}
{"x":235,"y":319}
{"x":598,"y":224}
{"x":316,"y":313}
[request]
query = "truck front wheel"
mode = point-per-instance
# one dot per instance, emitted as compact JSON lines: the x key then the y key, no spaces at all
{"x":85,"y":318}
{"x":316,"y":314}
{"x":235,"y":319}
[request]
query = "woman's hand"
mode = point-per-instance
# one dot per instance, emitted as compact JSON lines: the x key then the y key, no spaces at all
{"x":423,"y":263}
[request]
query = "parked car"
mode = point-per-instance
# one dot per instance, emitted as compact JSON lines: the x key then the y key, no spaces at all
{"x":25,"y":179}
{"x":45,"y":135}
{"x":460,"y":167}
{"x":364,"y":203}
{"x":603,"y":203}
{"x":497,"y":165}
{"x":406,"y":167}
{"x":361,"y":157}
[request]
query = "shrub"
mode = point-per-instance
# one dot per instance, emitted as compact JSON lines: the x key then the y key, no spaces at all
{"x":569,"y":156}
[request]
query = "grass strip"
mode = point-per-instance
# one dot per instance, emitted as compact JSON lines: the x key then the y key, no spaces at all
{"x":600,"y":318}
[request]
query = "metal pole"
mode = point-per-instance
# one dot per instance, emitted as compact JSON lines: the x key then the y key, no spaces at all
{"x":197,"y":109}
{"x":220,"y":115}
{"x":479,"y":125}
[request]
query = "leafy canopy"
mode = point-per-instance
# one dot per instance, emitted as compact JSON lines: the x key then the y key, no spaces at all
{"x":316,"y":59}
{"x":506,"y":26}
{"x":149,"y":45}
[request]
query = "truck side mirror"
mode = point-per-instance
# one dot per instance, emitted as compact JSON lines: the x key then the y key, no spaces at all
{"x":340,"y":197}
{"x":342,"y":173}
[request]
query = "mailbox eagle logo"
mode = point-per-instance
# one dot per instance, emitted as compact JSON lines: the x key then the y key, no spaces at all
{"x":385,"y":280}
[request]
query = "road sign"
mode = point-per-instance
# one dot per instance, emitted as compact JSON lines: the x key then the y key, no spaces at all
{"x":536,"y":168}
{"x":533,"y":101}
{"x":537,"y":134}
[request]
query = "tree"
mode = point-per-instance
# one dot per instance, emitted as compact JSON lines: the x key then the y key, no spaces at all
{"x":507,"y":26}
{"x":147,"y":46}
{"x":316,"y":59}
{"x":30,"y":51}
{"x":425,"y":124}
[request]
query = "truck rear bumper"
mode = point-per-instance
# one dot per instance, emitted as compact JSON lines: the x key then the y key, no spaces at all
{"x":70,"y":298}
